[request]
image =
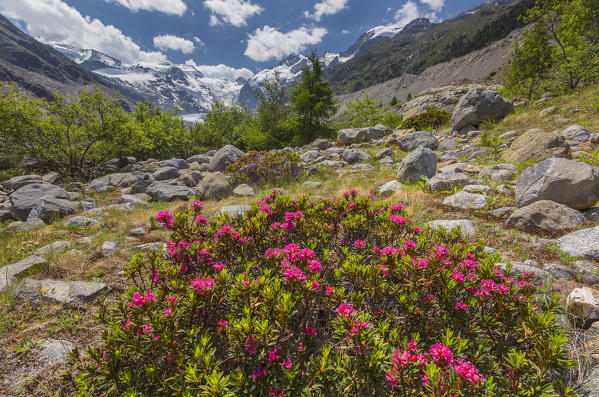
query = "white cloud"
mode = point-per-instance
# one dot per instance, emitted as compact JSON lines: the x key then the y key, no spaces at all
{"x":170,"y":42}
{"x":435,"y":5}
{"x":221,"y":71}
{"x":326,"y":7}
{"x":410,"y":11}
{"x":268,"y":43}
{"x":172,"y":7}
{"x":234,"y":12}
{"x":345,"y":31}
{"x":54,"y":20}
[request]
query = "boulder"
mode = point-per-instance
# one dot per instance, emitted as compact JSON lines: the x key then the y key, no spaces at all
{"x":536,"y":144}
{"x":498,"y":172}
{"x":118,"y":180}
{"x":80,"y":221}
{"x":224,"y":157}
{"x":503,"y":212}
{"x":584,"y":302}
{"x":56,"y":350}
{"x":134,"y":200}
{"x":355,"y":156}
{"x":179,"y":164}
{"x":386,"y":152}
{"x":447,"y":181}
{"x":166,"y":173}
{"x":466,"y":200}
{"x":24,"y":199}
{"x":161,"y":192}
{"x":18,"y":182}
{"x":53,"y":178}
{"x":234,"y":210}
{"x":546,"y":215}
{"x":322,"y":144}
{"x":9,"y":274}
{"x":576,"y":133}
{"x":476,"y":189}
{"x":359,"y":135}
{"x":200,"y":159}
{"x":478,"y":106}
{"x":411,"y":141}
{"x":564,"y":181}
{"x":243,"y":191}
{"x":67,"y":292}
{"x":581,"y":244}
{"x":310,"y":156}
{"x":449,"y":143}
{"x":214,"y":186}
{"x":468,"y":228}
{"x":422,"y":162}
{"x":312,"y":185}
{"x":49,"y":208}
{"x":390,"y":187}
{"x":53,"y":247}
{"x":108,"y":248}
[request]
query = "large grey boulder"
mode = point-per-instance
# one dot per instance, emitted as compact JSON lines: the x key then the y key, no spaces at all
{"x":133,"y":200}
{"x":411,"y":141}
{"x":166,"y":173}
{"x":568,"y":182}
{"x":67,"y":292}
{"x":355,"y":156}
{"x":9,"y":274}
{"x":546,"y":215}
{"x":49,"y":208}
{"x":359,"y":135}
{"x":243,"y":191}
{"x":536,"y":144}
{"x":214,"y":186}
{"x":478,"y":106}
{"x":447,"y":181}
{"x":224,"y":157}
{"x":26,"y":198}
{"x":118,"y":180}
{"x":200,"y":159}
{"x":18,"y":182}
{"x":161,"y":192}
{"x":179,"y":164}
{"x":420,"y":163}
{"x":576,"y":133}
{"x":498,"y":172}
{"x":581,"y":244}
{"x":466,"y":200}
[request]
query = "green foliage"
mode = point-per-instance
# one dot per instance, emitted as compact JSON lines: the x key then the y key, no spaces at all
{"x":323,"y":297}
{"x":262,"y":168}
{"x":409,"y":97}
{"x":224,"y":125}
{"x":313,"y":102}
{"x":364,"y":112}
{"x":273,"y":114}
{"x":430,"y":118}
{"x":488,"y":140}
{"x":394,"y":101}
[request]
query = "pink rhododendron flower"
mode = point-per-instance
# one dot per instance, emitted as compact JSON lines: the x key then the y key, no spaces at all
{"x":461,"y":306}
{"x":310,"y":331}
{"x":413,"y":345}
{"x":467,"y":371}
{"x":197,"y":205}
{"x":258,"y":372}
{"x":314,"y":266}
{"x":168,"y":312}
{"x":274,"y":355}
{"x":398,"y":220}
{"x":222,"y":324}
{"x":358,"y":327}
{"x":201,"y":220}
{"x":300,"y":347}
{"x":396,"y":207}
{"x":294,"y":273}
{"x":146,"y":328}
{"x":287,"y":363}
{"x":359,"y":244}
{"x":250,"y":345}
{"x":165,"y":217}
{"x":315,"y":286}
{"x":346,"y":310}
{"x":440,"y":352}
{"x":219,"y":267}
{"x":202,"y":285}
{"x":328,"y":290}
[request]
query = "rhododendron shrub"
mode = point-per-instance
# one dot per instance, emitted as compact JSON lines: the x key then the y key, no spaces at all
{"x":261,"y":168}
{"x":343,"y":296}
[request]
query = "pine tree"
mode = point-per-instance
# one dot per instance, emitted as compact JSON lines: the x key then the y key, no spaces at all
{"x":393,"y":101}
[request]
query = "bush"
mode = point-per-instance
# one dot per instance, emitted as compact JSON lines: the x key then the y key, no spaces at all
{"x":261,"y":168}
{"x":365,"y":112}
{"x":342,"y":296}
{"x":430,"y":118}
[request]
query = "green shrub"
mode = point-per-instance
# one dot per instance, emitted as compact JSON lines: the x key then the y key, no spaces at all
{"x":342,"y":296}
{"x":261,"y":168}
{"x":489,"y":140}
{"x":365,"y":112}
{"x":430,"y":118}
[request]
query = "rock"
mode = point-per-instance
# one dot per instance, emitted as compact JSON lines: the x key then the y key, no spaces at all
{"x":32,"y":224}
{"x":590,"y":387}
{"x":536,"y":144}
{"x":449,"y":143}
{"x":243,"y":191}
{"x":313,"y":185}
{"x":558,"y":271}
{"x":422,"y":162}
{"x":498,"y":172}
{"x":67,"y":292}
{"x":390,"y":187}
{"x":355,"y":156}
{"x":166,"y":173}
{"x":214,"y":186}
{"x":79,"y":221}
{"x":506,"y":136}
{"x":199,"y":158}
{"x":520,"y":269}
{"x":476,"y":189}
{"x":322,"y":144}
{"x":584,"y":302}
{"x":383,"y":153}
{"x":386,"y":161}
{"x":411,"y":141}
{"x":24,"y":199}
{"x":224,"y":157}
{"x":581,"y":244}
{"x":18,"y":182}
{"x":53,"y":178}
{"x":108,"y":248}
{"x":118,"y":179}
{"x":503,"y":211}
{"x":564,"y":181}
{"x":138,"y":231}
{"x":6,"y":216}
{"x":549,"y":111}
{"x":468,"y":228}
{"x":161,"y":192}
{"x":466,"y":200}
{"x":55,"y":349}
{"x":49,"y":208}
{"x":310,"y":156}
{"x":455,"y":168}
{"x":234,"y":210}
{"x":150,"y":246}
{"x":9,"y":274}
{"x":592,"y":215}
{"x":478,"y":106}
{"x":142,"y":185}
{"x":129,"y":198}
{"x":179,"y":164}
{"x":447,"y":181}
{"x":576,"y":133}
{"x":55,"y":246}
{"x":546,"y":215}
{"x":359,"y":135}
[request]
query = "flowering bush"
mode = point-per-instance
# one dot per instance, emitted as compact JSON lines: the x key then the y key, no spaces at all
{"x":344,"y":296}
{"x":260,"y":168}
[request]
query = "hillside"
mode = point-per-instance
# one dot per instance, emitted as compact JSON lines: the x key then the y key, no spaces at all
{"x":405,"y":54}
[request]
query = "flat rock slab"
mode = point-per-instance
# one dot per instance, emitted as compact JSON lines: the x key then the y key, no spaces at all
{"x":468,"y":227}
{"x":10,"y":273}
{"x":234,"y":210}
{"x":581,"y":244}
{"x":56,"y":349}
{"x":466,"y":200}
{"x":546,"y":215}
{"x":68,"y":292}
{"x":55,"y":246}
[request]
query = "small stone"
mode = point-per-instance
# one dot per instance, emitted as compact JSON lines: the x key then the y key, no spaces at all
{"x":56,"y":246}
{"x":150,"y":246}
{"x":138,"y":231}
{"x":584,"y":302}
{"x":313,"y":185}
{"x":383,"y":153}
{"x":166,"y":173}
{"x":55,"y":349}
{"x":466,"y":200}
{"x":420,"y":163}
{"x":386,"y":161}
{"x":390,"y":187}
{"x":468,"y":227}
{"x":234,"y":210}
{"x":243,"y":191}
{"x":108,"y":248}
{"x":448,"y":181}
{"x":476,"y":189}
{"x":79,"y":221}
{"x":10,"y":273}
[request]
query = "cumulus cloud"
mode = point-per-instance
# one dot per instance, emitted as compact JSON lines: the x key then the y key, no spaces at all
{"x":326,"y":7}
{"x":221,"y":71}
{"x":172,"y":7}
{"x":435,"y":5}
{"x":410,"y":11}
{"x":170,"y":42}
{"x":233,"y":12}
{"x":268,"y":43}
{"x":55,"y":21}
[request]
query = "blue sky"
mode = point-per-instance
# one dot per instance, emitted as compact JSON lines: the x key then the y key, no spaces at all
{"x":249,"y":34}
